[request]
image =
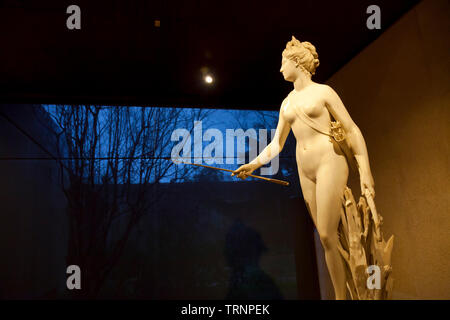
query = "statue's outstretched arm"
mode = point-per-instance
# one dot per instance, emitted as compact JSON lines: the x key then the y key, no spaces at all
{"x":269,"y":152}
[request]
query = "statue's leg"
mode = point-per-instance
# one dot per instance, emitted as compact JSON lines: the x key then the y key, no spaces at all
{"x":309,"y":195}
{"x":330,"y":185}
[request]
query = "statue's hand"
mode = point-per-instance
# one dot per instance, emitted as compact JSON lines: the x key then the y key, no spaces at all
{"x":367,"y":184}
{"x":244,"y":171}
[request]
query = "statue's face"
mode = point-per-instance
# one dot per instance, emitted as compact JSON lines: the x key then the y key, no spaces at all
{"x":288,"y":69}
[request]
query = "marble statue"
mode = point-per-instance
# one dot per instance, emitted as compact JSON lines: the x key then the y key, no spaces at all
{"x":327,"y":142}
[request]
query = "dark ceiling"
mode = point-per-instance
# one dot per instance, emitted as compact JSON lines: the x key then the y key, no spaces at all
{"x":120,"y":57}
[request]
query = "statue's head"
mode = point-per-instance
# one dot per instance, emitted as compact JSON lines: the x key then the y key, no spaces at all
{"x":298,"y":55}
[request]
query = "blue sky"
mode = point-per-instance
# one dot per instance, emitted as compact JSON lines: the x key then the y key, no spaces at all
{"x":220,"y":120}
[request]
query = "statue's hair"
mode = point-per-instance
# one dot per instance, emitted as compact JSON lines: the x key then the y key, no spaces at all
{"x":304,"y":54}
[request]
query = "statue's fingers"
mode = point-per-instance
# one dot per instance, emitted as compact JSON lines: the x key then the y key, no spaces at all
{"x":242,"y":175}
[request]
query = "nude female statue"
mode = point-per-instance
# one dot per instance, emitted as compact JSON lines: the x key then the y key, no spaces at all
{"x":322,"y":165}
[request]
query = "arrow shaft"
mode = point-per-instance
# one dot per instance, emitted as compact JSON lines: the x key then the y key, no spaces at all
{"x":284,"y":183}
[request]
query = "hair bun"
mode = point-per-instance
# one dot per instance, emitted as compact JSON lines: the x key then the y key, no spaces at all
{"x":304,"y":54}
{"x":311,"y":48}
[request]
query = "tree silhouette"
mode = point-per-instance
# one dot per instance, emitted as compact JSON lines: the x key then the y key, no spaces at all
{"x":112,"y":159}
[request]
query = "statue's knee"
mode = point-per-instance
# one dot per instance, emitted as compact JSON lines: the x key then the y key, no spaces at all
{"x":328,"y":241}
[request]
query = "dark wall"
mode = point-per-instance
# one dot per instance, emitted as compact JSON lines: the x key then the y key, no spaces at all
{"x":33,"y":236}
{"x":221,"y":240}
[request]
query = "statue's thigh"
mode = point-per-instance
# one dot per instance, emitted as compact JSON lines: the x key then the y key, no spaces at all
{"x":330,"y":185}
{"x":309,"y":195}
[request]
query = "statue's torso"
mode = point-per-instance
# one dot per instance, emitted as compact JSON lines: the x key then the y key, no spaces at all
{"x":313,"y":148}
